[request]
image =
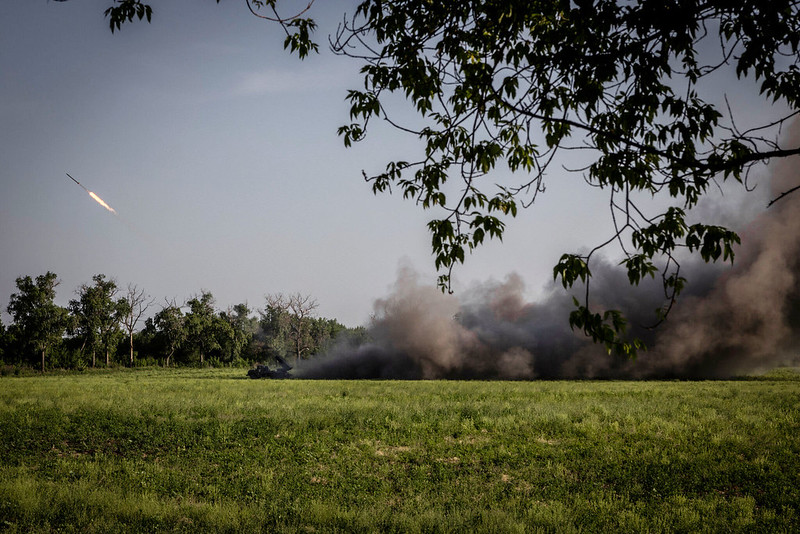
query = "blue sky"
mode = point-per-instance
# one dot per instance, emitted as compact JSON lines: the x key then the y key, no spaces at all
{"x":219,"y":152}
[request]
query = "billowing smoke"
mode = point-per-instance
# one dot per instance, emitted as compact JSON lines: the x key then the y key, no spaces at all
{"x":416,"y":333}
{"x":749,"y":317}
{"x":729,"y":320}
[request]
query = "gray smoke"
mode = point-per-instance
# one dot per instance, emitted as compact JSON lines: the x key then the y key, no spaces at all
{"x":729,"y":320}
{"x":749,"y":317}
{"x":416,"y":333}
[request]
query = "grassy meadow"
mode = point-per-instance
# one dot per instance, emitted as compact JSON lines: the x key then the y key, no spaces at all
{"x":208,"y":450}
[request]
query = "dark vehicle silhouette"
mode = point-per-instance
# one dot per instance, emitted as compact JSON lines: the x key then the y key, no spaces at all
{"x":263,"y":371}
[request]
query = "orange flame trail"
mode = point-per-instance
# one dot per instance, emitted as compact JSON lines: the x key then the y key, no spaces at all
{"x":102,"y":203}
{"x":95,"y":197}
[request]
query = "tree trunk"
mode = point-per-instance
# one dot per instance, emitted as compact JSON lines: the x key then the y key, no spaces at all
{"x":94,"y":358}
{"x":106,"y":356}
{"x":43,"y":360}
{"x":131,"y":348}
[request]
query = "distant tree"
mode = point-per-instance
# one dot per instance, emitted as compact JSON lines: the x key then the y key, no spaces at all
{"x":136,"y":304}
{"x":82,"y":328}
{"x":169,"y":326}
{"x":528,"y":84}
{"x":144,"y":339}
{"x":324,"y":332}
{"x":298,"y":312}
{"x":3,"y":340}
{"x":98,"y":315}
{"x":358,"y":335}
{"x":274,"y":327}
{"x":255,"y":347}
{"x":200,"y":321}
{"x":301,"y":311}
{"x":238,"y":332}
{"x":38,"y":322}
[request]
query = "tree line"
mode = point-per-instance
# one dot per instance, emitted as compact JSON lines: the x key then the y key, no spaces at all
{"x":107,"y":325}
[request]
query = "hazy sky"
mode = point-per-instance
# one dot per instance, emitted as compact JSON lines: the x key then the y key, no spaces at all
{"x":219,"y":152}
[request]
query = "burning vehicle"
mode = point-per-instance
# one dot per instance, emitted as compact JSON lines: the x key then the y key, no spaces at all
{"x":263,"y":371}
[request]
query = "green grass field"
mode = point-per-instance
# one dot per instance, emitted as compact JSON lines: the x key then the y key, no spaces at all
{"x":207,"y":450}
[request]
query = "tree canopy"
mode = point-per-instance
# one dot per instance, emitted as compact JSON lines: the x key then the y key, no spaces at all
{"x":525,"y":85}
{"x":38,"y":323}
{"x":98,"y":314}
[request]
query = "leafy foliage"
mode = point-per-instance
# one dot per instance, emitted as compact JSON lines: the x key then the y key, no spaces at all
{"x":298,"y":29}
{"x":520,"y":85}
{"x":126,"y":11}
{"x":169,"y":332}
{"x":201,"y":328}
{"x":98,"y":316}
{"x":38,"y":323}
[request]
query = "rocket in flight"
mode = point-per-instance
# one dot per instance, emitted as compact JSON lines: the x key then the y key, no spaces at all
{"x":95,"y":197}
